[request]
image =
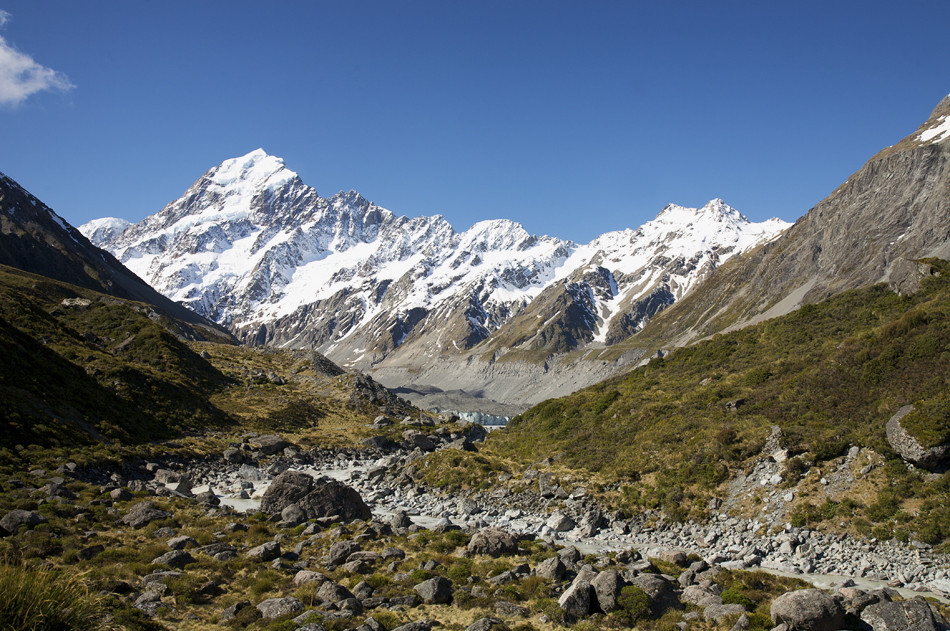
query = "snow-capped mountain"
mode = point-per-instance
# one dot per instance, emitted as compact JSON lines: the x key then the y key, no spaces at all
{"x":252,"y":247}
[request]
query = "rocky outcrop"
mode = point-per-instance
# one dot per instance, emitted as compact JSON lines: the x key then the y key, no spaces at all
{"x":909,"y":448}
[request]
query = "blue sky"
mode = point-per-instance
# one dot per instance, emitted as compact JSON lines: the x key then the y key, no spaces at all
{"x":573,"y":118}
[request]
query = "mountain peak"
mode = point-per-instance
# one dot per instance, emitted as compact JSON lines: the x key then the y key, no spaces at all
{"x":257,"y":169}
{"x":715,"y":209}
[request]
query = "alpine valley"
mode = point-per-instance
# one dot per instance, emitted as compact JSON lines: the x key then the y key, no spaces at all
{"x":738,"y":426}
{"x":493,"y":311}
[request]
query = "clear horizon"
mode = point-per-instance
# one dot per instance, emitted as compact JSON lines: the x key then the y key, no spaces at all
{"x":571,"y":120}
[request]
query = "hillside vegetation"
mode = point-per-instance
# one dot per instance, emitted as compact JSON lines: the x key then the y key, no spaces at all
{"x":829,"y":375}
{"x":80,"y":367}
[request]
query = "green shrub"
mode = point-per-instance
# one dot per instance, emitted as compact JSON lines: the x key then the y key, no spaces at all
{"x":635,"y":602}
{"x":734,"y":596}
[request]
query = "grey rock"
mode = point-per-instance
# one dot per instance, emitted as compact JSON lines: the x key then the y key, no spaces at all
{"x":175,"y":558}
{"x":277,"y":607}
{"x":506,"y":608}
{"x":807,"y":610}
{"x":270,"y":444}
{"x":661,"y":592}
{"x":340,"y":551}
{"x":719,"y":613}
{"x":559,"y":522}
{"x":333,"y":592}
{"x":12,"y":521}
{"x":909,"y":448}
{"x":576,"y":600}
{"x":422,"y":625}
{"x":265,"y":552}
{"x":607,"y":586}
{"x":400,"y":519}
{"x":553,"y":569}
{"x":308,"y":576}
{"x":317,"y":499}
{"x":493,"y":542}
{"x":180,"y":543}
{"x":120,"y":495}
{"x":142,"y":513}
{"x":487,"y":624}
{"x":906,"y":615}
{"x":435,"y":591}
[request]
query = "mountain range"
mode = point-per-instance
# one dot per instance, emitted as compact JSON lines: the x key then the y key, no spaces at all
{"x":253,"y":248}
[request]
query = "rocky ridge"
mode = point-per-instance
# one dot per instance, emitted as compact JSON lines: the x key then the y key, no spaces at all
{"x":252,"y":247}
{"x":874,"y":228}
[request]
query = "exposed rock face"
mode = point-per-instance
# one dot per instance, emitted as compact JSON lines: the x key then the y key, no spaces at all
{"x":807,"y":610}
{"x":871,"y":229}
{"x":317,"y":498}
{"x":909,"y":448}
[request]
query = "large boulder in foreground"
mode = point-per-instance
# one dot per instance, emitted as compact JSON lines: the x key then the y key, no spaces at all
{"x":808,"y":610}
{"x":316,"y":498}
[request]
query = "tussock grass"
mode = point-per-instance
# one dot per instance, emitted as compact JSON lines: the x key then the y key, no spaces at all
{"x":36,"y":599}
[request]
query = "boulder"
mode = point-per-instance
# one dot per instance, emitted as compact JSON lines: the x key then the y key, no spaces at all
{"x":308,"y":576}
{"x":660,"y":591}
{"x":607,"y":586}
{"x":559,"y":522}
{"x":487,"y":624}
{"x":340,"y":551}
{"x":909,"y":448}
{"x":270,"y":444}
{"x":277,"y":607}
{"x":915,"y":614}
{"x":120,"y":495}
{"x":720,"y":613}
{"x":332,"y":592}
{"x":493,"y":542}
{"x":142,"y":513}
{"x":316,"y":498}
{"x":576,"y":600}
{"x":807,"y":610}
{"x":435,"y":591}
{"x":265,"y":552}
{"x":208,"y":498}
{"x":12,"y":521}
{"x":553,"y":569}
{"x":176,"y":558}
{"x":182,"y":542}
{"x":400,"y":519}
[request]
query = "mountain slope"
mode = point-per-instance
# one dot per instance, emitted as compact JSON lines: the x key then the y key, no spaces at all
{"x":818,"y":383}
{"x":35,"y":239}
{"x":871,"y":229}
{"x":252,"y":247}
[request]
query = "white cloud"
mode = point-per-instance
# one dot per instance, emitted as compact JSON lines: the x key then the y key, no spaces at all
{"x":21,"y":76}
